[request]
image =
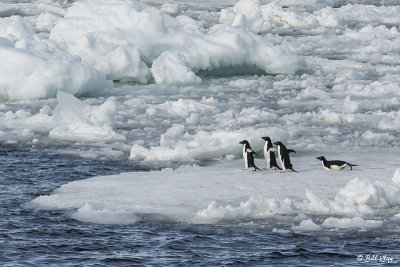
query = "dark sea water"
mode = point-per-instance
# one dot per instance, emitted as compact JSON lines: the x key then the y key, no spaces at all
{"x":51,"y":238}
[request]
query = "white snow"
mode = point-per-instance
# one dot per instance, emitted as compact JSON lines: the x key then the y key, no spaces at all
{"x":396,"y":217}
{"x":258,"y":16}
{"x":27,"y":75}
{"x":177,"y":144}
{"x":356,"y":222}
{"x":71,"y":119}
{"x":280,"y":231}
{"x":46,"y":21}
{"x":173,"y":68}
{"x":123,"y":38}
{"x":396,"y":177}
{"x":307,"y":226}
{"x":224,"y":194}
{"x":78,"y":121}
{"x":31,"y":69}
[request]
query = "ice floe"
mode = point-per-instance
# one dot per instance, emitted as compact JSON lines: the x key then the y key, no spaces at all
{"x":123,"y":38}
{"x":32,"y":69}
{"x":220,"y":194}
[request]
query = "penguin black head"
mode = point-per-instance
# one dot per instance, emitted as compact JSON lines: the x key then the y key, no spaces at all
{"x":244,"y":142}
{"x":266,"y":138}
{"x":279,"y":144}
{"x":321,"y":158}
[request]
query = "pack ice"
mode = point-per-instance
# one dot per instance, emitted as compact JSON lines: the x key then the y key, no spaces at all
{"x":32,"y":68}
{"x":130,"y":41}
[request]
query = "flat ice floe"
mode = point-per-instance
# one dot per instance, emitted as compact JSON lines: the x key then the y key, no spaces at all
{"x":311,"y":200}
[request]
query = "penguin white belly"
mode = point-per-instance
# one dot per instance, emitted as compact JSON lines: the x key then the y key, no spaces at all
{"x":326,"y":168}
{"x":338,"y":167}
{"x":334,"y":167}
{"x":246,"y":163}
{"x":267,"y":157}
{"x":281,"y":159}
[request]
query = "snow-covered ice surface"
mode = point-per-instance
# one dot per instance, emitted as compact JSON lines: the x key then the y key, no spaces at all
{"x":225,"y":193}
{"x":172,"y":87}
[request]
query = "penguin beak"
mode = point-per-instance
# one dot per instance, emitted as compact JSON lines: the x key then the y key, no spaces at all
{"x":241,"y":142}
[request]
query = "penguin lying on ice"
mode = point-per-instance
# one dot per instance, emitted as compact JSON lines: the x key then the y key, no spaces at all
{"x":248,"y":156}
{"x":334,"y":165}
{"x":283,"y":154}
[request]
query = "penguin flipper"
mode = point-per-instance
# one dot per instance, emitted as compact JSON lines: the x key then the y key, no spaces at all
{"x":293,"y":170}
{"x":249,"y":150}
{"x":291,"y":150}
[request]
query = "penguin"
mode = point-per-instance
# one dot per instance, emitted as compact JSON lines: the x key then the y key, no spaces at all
{"x":335,"y":165}
{"x":248,"y":156}
{"x":284,"y":158}
{"x":269,"y":155}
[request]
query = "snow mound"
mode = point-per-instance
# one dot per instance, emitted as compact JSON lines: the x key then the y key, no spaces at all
{"x":357,"y":197}
{"x":78,"y":121}
{"x":71,"y":119}
{"x":360,"y":192}
{"x":123,"y":38}
{"x":177,"y":144}
{"x":396,"y":177}
{"x":30,"y":75}
{"x":260,"y":16}
{"x":172,"y":68}
{"x":307,"y":226}
{"x":30,"y":69}
{"x":16,"y":28}
{"x":356,"y":222}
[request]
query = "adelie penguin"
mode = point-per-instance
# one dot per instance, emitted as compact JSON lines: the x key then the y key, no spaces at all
{"x":283,"y":154}
{"x":248,"y":156}
{"x":269,"y":154}
{"x":335,"y":165}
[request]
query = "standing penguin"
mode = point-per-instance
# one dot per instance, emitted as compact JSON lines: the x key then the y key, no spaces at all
{"x":269,"y":154}
{"x":283,"y":154}
{"x":335,"y":165}
{"x":248,"y":156}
